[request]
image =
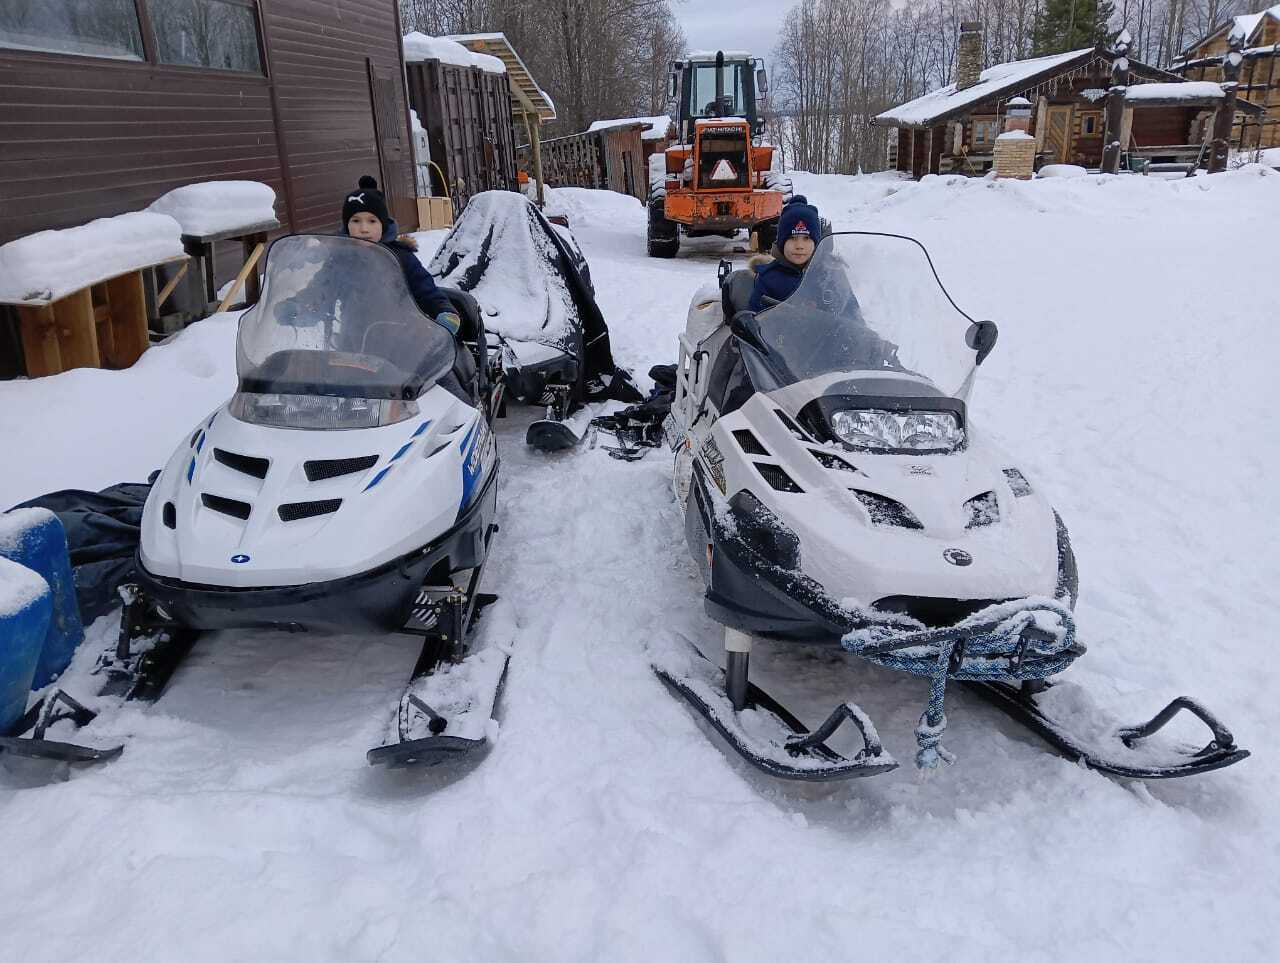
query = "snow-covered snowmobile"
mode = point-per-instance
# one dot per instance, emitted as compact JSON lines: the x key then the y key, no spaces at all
{"x":350,"y":484}
{"x":835,"y":492}
{"x":537,"y":300}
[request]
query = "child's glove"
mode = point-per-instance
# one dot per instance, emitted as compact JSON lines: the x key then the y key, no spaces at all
{"x":450,"y":321}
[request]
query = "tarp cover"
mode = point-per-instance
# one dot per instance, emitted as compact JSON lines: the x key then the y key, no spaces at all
{"x":533,"y":287}
{"x":103,"y":529}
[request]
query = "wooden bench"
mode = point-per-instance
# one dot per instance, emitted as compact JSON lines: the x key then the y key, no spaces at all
{"x":102,"y":325}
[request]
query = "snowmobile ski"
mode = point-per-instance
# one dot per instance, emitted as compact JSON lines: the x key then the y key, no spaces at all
{"x":137,"y":669}
{"x":766,"y":734}
{"x":448,"y":703}
{"x":563,"y":427}
{"x":1121,"y":751}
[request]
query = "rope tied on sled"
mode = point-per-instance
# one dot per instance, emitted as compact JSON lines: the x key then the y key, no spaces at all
{"x":1008,"y":642}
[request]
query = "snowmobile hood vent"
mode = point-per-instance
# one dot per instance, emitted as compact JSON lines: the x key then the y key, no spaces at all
{"x":982,"y":510}
{"x":778,"y":479}
{"x":245,"y":464}
{"x":1018,"y":483}
{"x":791,"y":425}
{"x":227,"y":506}
{"x":828,"y":460}
{"x":323,"y":468}
{"x":886,"y":511}
{"x":749,"y":443}
{"x":295,"y":511}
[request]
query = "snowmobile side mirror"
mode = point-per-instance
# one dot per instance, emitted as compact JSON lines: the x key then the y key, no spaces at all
{"x":723,"y":270}
{"x":981,"y":337}
{"x":745,"y":326}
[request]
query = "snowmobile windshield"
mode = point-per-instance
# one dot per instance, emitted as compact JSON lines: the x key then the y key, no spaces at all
{"x":336,"y":318}
{"x":871,"y":308}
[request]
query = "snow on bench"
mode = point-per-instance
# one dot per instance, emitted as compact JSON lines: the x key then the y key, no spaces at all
{"x":218,"y":207}
{"x":49,"y":265}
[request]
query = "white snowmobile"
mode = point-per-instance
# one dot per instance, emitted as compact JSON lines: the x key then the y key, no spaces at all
{"x":835,"y":492}
{"x":349,"y":484}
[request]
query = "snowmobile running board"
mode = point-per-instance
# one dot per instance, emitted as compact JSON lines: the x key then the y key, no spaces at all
{"x":804,"y":755}
{"x":1220,"y":752}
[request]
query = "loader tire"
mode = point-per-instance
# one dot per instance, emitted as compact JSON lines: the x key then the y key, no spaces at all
{"x":663,"y":235}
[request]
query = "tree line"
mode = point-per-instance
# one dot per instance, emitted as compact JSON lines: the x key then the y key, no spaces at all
{"x":596,"y":59}
{"x":838,"y":63}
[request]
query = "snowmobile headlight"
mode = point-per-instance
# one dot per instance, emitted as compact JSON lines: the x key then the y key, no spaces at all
{"x":874,"y":429}
{"x":319,"y":412}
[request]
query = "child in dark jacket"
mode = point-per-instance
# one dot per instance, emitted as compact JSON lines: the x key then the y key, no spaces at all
{"x":365,"y":216}
{"x":799,"y":230}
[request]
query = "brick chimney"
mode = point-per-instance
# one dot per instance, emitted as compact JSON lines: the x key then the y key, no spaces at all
{"x":969,"y":54}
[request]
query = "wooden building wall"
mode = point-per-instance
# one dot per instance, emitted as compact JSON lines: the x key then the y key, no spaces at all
{"x":84,"y":137}
{"x":1259,"y":82}
{"x":608,"y":159}
{"x":337,"y":67}
{"x":467,"y":114}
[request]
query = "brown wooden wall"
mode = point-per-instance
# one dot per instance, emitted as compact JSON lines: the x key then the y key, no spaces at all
{"x":320,"y":53}
{"x":82,"y":138}
{"x":86,"y":137}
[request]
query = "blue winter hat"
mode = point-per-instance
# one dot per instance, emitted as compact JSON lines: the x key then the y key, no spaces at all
{"x":799,"y":217}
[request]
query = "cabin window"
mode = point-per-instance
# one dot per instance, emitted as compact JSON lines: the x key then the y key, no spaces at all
{"x":221,"y":34}
{"x":984,"y":132}
{"x":90,"y":28}
{"x":1089,"y":124}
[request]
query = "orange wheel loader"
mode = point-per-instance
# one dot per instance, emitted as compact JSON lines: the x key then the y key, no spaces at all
{"x":718,"y":178}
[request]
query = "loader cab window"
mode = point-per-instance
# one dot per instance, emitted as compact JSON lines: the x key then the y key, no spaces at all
{"x":702,"y":91}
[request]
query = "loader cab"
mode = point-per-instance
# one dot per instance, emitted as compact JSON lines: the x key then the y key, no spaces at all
{"x":708,"y":86}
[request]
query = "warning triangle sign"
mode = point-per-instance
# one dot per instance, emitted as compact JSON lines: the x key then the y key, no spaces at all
{"x":723,"y":171}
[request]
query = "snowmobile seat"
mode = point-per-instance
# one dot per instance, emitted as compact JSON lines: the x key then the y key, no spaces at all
{"x":735,"y":294}
{"x":470,"y":363}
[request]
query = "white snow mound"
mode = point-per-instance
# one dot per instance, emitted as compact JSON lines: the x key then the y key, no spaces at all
{"x":419,"y":47}
{"x":52,"y":264}
{"x":19,"y":587}
{"x":216,"y":206}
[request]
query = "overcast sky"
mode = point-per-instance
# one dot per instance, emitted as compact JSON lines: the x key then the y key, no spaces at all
{"x":732,"y":24}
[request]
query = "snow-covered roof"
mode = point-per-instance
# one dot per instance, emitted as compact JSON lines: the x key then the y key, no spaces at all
{"x":1246,"y":24}
{"x":933,"y":107}
{"x":701,"y":55}
{"x":1191,"y":90}
{"x":418,"y":46}
{"x":655,"y":127}
{"x":529,"y":95}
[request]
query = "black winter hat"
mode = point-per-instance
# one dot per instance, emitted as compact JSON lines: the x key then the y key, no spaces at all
{"x":366,"y":199}
{"x":799,"y":217}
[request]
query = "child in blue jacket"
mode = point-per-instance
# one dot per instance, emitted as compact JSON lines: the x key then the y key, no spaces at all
{"x":799,"y":230}
{"x":365,"y":216}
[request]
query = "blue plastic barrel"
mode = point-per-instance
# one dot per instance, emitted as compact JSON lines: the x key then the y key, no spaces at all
{"x":26,"y":609}
{"x":34,"y":537}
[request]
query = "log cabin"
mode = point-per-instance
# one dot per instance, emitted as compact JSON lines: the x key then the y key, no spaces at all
{"x":1259,"y":81}
{"x":953,"y":129}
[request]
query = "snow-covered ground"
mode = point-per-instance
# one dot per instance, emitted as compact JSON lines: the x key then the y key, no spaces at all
{"x":1138,"y":348}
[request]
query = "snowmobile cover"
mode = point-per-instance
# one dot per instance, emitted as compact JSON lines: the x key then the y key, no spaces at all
{"x":534,"y":291}
{"x":102,"y":530}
